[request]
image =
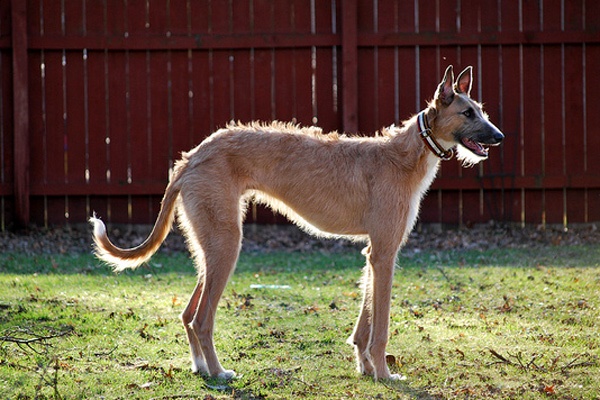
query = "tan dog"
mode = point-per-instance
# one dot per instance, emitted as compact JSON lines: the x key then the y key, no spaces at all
{"x":366,"y":188}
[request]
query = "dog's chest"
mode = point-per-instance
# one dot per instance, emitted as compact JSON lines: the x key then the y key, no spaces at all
{"x":430,"y":173}
{"x":433,"y":164}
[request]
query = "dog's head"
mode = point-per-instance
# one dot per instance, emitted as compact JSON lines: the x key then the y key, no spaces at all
{"x":461,"y":121}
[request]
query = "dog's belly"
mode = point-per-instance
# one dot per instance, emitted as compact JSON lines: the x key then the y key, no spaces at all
{"x":331,"y":219}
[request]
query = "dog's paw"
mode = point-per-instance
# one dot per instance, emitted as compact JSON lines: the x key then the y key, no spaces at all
{"x":397,"y":377}
{"x":199,"y":366}
{"x":226,"y":375}
{"x":389,"y":377}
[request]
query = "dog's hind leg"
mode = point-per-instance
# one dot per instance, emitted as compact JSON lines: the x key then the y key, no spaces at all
{"x":221,"y":245}
{"x":187,"y":316}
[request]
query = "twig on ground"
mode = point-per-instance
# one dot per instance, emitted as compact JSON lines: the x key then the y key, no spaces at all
{"x":439,"y":268}
{"x":574,"y":364}
{"x":531,"y":365}
{"x":106,"y":353}
{"x":503,"y":360}
{"x":35,"y":339}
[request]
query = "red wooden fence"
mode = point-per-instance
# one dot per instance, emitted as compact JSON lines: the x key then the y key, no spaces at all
{"x":97,"y":98}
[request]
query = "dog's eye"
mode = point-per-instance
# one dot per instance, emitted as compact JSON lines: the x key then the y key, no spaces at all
{"x":468,"y":113}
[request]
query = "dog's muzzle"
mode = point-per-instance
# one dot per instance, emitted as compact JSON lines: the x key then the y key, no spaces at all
{"x":491,"y":136}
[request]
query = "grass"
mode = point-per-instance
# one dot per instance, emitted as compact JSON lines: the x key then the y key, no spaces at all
{"x":465,"y":325}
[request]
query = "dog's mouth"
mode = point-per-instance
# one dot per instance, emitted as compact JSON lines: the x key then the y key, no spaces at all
{"x":476,"y":148}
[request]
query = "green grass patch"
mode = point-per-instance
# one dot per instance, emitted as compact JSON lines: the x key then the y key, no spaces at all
{"x":496,"y":324}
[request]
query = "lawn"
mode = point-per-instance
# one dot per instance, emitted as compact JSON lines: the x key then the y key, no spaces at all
{"x":473,"y":324}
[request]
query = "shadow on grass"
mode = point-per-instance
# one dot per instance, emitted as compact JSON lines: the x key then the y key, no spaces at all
{"x":268,"y":263}
{"x":179,"y":263}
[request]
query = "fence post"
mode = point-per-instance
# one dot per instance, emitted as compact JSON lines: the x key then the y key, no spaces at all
{"x":349,"y":65}
{"x":20,"y":111}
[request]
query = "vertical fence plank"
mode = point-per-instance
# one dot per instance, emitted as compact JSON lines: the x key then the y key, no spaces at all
{"x":201,"y":89}
{"x":75,"y":132}
{"x":326,"y":69}
{"x":97,"y":101}
{"x":575,"y":134}
{"x":115,"y":76}
{"x":180,"y":103}
{"x":286,"y":82}
{"x":505,"y":92}
{"x":487,"y":67}
{"x":240,"y":64}
{"x":7,"y":197}
{"x":553,"y":130}
{"x":592,"y":118}
{"x":554,"y":107}
{"x":300,"y":76}
{"x":220,"y":73}
{"x":220,"y":68}
{"x":575,"y":129}
{"x":365,"y":62}
{"x":406,"y":85}
{"x":469,"y":21}
{"x":37,"y":131}
{"x":324,"y":78}
{"x":98,"y":160}
{"x":20,"y":111}
{"x":385,"y":76}
{"x":140,"y":131}
{"x":531,"y":142}
{"x":161,"y":115}
{"x":350,"y":60}
{"x":385,"y":67}
{"x":55,"y":129}
{"x":117,"y":134}
{"x":241,"y":80}
{"x":592,"y":65}
{"x":263,"y":65}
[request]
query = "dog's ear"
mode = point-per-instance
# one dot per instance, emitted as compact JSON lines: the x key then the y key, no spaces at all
{"x":445,"y":90}
{"x":465,"y":81}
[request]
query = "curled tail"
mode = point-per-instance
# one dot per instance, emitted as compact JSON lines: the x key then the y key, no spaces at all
{"x":122,"y":259}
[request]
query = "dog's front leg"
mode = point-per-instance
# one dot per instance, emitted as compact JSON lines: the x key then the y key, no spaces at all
{"x":381,"y":263}
{"x":362,"y":331}
{"x":382,"y":266}
{"x":370,"y":335}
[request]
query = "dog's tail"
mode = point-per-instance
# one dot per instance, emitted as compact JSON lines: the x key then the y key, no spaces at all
{"x":122,"y":259}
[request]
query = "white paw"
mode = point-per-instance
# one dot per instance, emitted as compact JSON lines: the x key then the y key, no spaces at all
{"x":397,"y":377}
{"x":226,"y":375}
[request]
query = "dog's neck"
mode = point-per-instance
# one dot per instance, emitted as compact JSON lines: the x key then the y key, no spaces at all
{"x":426,"y":134}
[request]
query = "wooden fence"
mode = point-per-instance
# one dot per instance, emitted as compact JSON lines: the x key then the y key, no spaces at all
{"x":98,"y":98}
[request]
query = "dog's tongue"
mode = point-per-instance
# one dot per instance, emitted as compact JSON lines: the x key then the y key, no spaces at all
{"x":475,"y":147}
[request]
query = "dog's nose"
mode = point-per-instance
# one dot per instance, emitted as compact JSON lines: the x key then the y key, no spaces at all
{"x":498,"y":136}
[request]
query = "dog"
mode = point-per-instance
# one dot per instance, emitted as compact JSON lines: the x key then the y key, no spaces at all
{"x":364,"y":188}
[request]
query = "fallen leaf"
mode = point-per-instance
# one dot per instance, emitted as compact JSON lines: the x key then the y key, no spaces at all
{"x":549,"y":390}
